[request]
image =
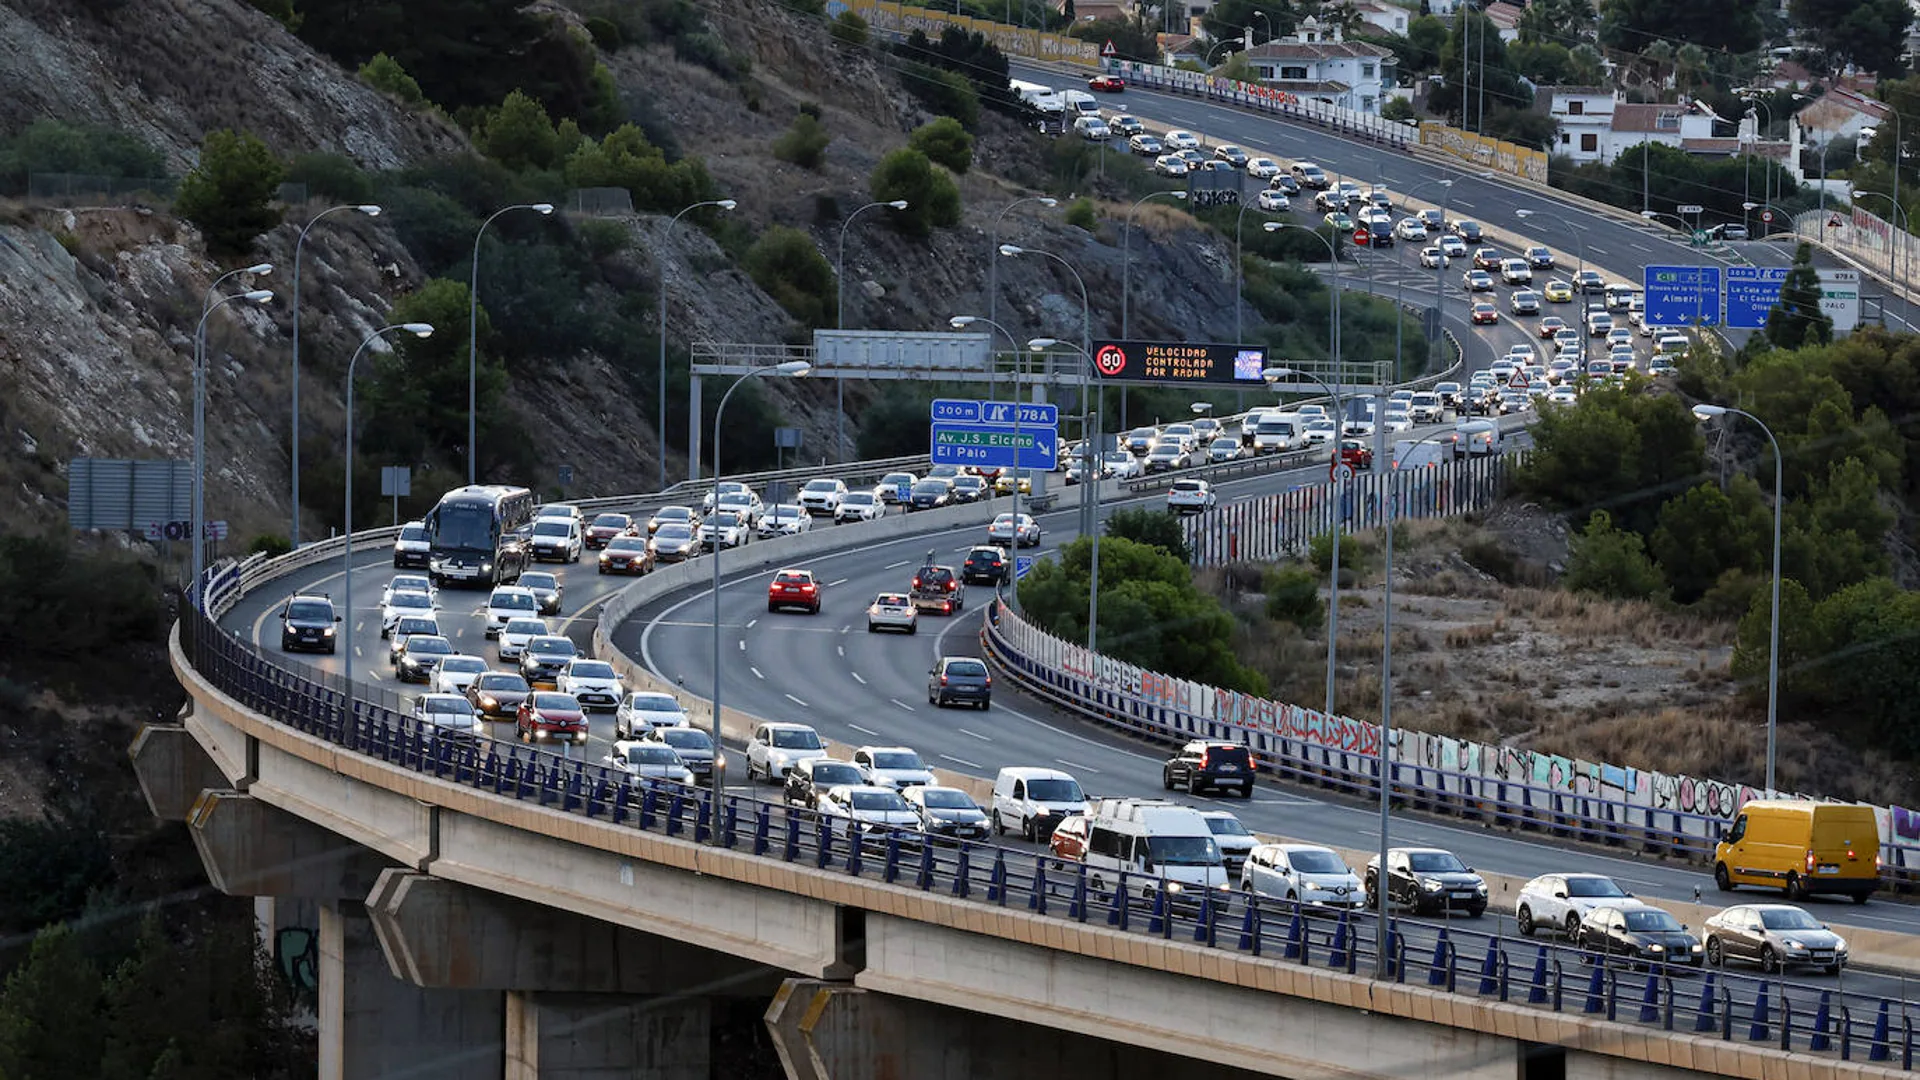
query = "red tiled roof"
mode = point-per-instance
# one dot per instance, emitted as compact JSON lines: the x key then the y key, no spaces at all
{"x":1318,"y":50}
{"x":1628,"y":116}
{"x":1502,"y":15}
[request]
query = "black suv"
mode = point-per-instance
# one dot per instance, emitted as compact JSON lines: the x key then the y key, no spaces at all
{"x":808,"y":779}
{"x":986,"y":564}
{"x":1200,"y":765}
{"x":307,"y":622}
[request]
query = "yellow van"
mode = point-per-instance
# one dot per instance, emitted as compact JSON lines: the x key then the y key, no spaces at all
{"x":1801,"y":848}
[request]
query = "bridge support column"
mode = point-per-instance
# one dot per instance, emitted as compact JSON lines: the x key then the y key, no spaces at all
{"x":172,"y":769}
{"x":252,"y":849}
{"x":601,"y":1037}
{"x":372,"y":1024}
{"x":835,"y":1031}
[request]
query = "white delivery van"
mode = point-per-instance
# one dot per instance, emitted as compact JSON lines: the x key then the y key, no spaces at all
{"x":1079,"y":103}
{"x":1156,"y":843}
{"x":1045,"y":99}
{"x":1278,"y":433}
{"x":1415,"y":455}
{"x":1478,"y":438}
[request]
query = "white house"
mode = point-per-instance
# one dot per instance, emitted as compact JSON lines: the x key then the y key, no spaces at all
{"x":1384,"y":17}
{"x":1316,"y":64}
{"x":1505,"y":18}
{"x":1840,"y":114}
{"x":1596,"y":126}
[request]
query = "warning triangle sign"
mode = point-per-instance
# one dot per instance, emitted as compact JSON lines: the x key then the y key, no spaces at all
{"x":1109,"y":50}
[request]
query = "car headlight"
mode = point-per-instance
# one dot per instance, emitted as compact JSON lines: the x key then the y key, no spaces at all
{"x":1482,"y":888}
{"x":1840,"y":945}
{"x":1173,"y":888}
{"x":1431,"y":885}
{"x":486,"y":566}
{"x":1697,"y":947}
{"x":328,"y":632}
{"x":1795,"y":945}
{"x":1657,"y":948}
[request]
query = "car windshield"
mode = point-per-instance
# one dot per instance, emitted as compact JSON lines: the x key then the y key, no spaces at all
{"x":653,"y":703}
{"x":539,"y":581}
{"x":966,"y":667}
{"x":557,"y":702}
{"x":463,"y":664}
{"x":897,"y":759}
{"x":513,"y":601}
{"x":685,"y":738}
{"x":464,"y":528}
{"x":551,"y":646}
{"x":876,"y":800}
{"x":1317,"y":862}
{"x":674,"y":532}
{"x":946,"y":799}
{"x":502,"y":680}
{"x":1593,"y":886}
{"x":1274,"y":427}
{"x":863,"y":498}
{"x":891,"y":600}
{"x":409,"y":600}
{"x":1435,"y":862}
{"x":629,"y":544}
{"x":786,"y":510}
{"x":929,"y":487}
{"x":1187,"y":485}
{"x":593,"y":669}
{"x":643,"y":754}
{"x":829,"y":773}
{"x":673,"y":513}
{"x":736,"y":498}
{"x":820,"y":485}
{"x":415,"y":626}
{"x":1652,"y":919}
{"x":413,"y":532}
{"x":310,"y":611}
{"x":792,"y":579}
{"x":525,"y":626}
{"x":795,"y":739}
{"x":1183,"y":850}
{"x":1052,"y":790}
{"x":426,"y":643}
{"x":612,"y":521}
{"x":1788,"y":919}
{"x":1227,"y":826}
{"x":442,"y":703}
{"x":551,"y":527}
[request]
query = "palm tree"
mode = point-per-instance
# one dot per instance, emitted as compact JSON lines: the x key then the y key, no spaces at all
{"x":1655,"y":59}
{"x":1690,"y":66}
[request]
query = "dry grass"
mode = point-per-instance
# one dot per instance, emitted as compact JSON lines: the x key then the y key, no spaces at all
{"x":1586,"y":619}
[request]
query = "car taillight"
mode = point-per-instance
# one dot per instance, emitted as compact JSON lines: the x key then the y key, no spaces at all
{"x":1809,"y":861}
{"x":989,"y":682}
{"x":1851,"y":855}
{"x":806,"y":588}
{"x":943,"y":680}
{"x":916,"y":582}
{"x":1204,"y":754}
{"x":950,"y":586}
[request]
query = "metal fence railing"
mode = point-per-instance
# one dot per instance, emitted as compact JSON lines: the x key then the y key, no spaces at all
{"x":1457,"y":958}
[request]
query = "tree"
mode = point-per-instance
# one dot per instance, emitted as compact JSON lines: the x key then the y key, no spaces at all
{"x":788,"y":267}
{"x":1707,"y":532}
{"x":1585,"y":457}
{"x":1543,"y":62}
{"x":230,"y":194}
{"x":944,"y":142}
{"x":1153,"y":528}
{"x":626,"y":159}
{"x":1475,"y":38}
{"x":1836,"y":535}
{"x":945,"y":93}
{"x":1797,"y":319}
{"x":804,"y":143}
{"x":385,"y":74}
{"x":1870,"y":34}
{"x":1426,"y":36}
{"x":51,"y":862}
{"x":414,"y":401}
{"x":1725,"y":25}
{"x":1132,"y":38}
{"x":519,"y":134}
{"x":1397,"y":108}
{"x":1858,"y":665}
{"x":849,"y":29}
{"x":54,"y":146}
{"x":1293,"y":595}
{"x":1798,"y":642}
{"x":1611,"y":562}
{"x":44,"y":1007}
{"x":933,"y":199}
{"x":1233,"y":18}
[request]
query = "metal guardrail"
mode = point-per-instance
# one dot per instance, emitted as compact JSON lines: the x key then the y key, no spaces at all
{"x":1354,"y":769}
{"x":1454,"y":958}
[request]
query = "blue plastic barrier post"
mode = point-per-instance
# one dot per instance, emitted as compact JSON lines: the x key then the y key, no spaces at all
{"x":856,"y":850}
{"x":963,"y":872}
{"x":702,"y":820}
{"x":1037,"y":896}
{"x":762,"y":826}
{"x":924,"y":878}
{"x":1338,"y":956}
{"x":676,"y":808}
{"x":1703,"y":1021}
{"x":649,"y":807}
{"x":790,"y":849}
{"x":1757,"y":1030}
{"x":823,"y":831}
{"x":729,"y":824}
{"x":1596,"y":990}
{"x":1203,"y":930}
{"x":1877,"y":1049}
{"x":1077,"y":906}
{"x":1537,"y":986}
{"x":997,"y":881}
{"x":1822,"y":1017}
{"x":1650,"y":1000}
{"x":1157,"y":920}
{"x":1490,"y":969}
{"x":1296,"y":937}
{"x":1437,"y":971}
{"x":621,"y":794}
{"x":1122,"y":904}
{"x":891,"y":873}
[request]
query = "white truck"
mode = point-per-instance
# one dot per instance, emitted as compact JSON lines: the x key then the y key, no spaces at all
{"x":1045,"y":99}
{"x":1079,"y":103}
{"x":1416,"y":455}
{"x":1278,"y":433}
{"x":1156,"y":843}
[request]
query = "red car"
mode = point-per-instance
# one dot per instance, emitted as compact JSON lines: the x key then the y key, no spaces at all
{"x":1107,"y":84}
{"x":1357,"y":454}
{"x":1069,"y":840}
{"x":549,"y":716}
{"x":626,"y":554}
{"x":1485,"y":314}
{"x":606,"y":527}
{"x":794,"y":588}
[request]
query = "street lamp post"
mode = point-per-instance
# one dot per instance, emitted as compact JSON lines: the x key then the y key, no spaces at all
{"x":473,"y":332}
{"x":1089,"y":487}
{"x":993,"y":272}
{"x":197,"y":593}
{"x":1273,"y":375}
{"x":790,"y":369}
{"x":840,"y":319}
{"x":293,"y":535}
{"x":961,"y":322}
{"x":1704,"y":412}
{"x":724,"y":204}
{"x":346,"y":552}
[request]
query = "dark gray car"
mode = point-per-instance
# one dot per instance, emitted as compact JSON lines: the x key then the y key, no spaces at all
{"x":959,"y":679}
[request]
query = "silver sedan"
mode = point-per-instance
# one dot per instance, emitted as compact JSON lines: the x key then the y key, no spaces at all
{"x":892,"y":611}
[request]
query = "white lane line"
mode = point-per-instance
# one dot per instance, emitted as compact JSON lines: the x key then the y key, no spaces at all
{"x":864,"y":731}
{"x":1598,"y":250}
{"x":847,"y":629}
{"x":1074,"y":765}
{"x":973,"y":734}
{"x":356,"y":648}
{"x":841,"y":649}
{"x":895,"y":566}
{"x":797,"y":701}
{"x":857,"y":678}
{"x":898,"y":702}
{"x":756,"y":672}
{"x":962,"y":762}
{"x":832,"y":584}
{"x":743,"y":644}
{"x":751,"y":622}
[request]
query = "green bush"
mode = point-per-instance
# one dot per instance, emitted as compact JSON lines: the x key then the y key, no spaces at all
{"x":849,"y":29}
{"x":605,"y":33}
{"x":1611,"y":562}
{"x":1153,"y":528}
{"x":787,"y":266}
{"x":1397,"y":108}
{"x":385,"y":74}
{"x":282,"y":11}
{"x":333,"y":177}
{"x":626,"y":159}
{"x":710,"y":51}
{"x":57,"y":147}
{"x":272,"y":545}
{"x":230,"y":194}
{"x":946,"y":143}
{"x":1706,"y":534}
{"x":804,"y":143}
{"x":933,"y":199}
{"x":1293,"y":596}
{"x":1081,"y":214}
{"x":519,"y":134}
{"x":604,"y":239}
{"x":943,"y":92}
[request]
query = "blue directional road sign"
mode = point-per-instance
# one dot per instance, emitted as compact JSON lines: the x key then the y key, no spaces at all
{"x":955,"y":411}
{"x":994,"y":446}
{"x":1032,"y":414}
{"x":1682,"y":295}
{"x":1022,"y":564}
{"x":1751,"y":293}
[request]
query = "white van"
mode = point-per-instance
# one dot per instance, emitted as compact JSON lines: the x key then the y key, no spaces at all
{"x":1093,"y":129}
{"x":1033,"y":801}
{"x":1160,"y":841}
{"x":1478,"y":438}
{"x":1278,"y":433}
{"x":1080,"y":103}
